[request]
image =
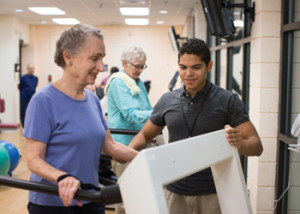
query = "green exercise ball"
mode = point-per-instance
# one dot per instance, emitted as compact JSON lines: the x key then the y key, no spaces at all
{"x":4,"y":161}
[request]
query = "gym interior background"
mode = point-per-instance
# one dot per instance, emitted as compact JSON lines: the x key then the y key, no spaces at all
{"x":261,"y":63}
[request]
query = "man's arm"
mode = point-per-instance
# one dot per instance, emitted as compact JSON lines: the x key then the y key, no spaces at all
{"x":245,"y":138}
{"x":148,"y":132}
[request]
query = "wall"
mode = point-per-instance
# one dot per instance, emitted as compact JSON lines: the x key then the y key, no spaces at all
{"x":161,"y":60}
{"x":9,"y":79}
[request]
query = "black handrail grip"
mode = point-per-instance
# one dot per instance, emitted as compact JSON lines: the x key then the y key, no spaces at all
{"x":111,"y":194}
{"x":124,"y":131}
{"x":108,"y":195}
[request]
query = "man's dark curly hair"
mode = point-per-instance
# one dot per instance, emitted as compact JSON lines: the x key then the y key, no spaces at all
{"x":197,"y":47}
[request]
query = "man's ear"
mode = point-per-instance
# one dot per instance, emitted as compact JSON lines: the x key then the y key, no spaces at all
{"x":209,"y":66}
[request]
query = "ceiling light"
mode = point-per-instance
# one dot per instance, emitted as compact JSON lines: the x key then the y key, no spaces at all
{"x":159,"y":22}
{"x":43,"y":22}
{"x":18,"y":10}
{"x":132,"y":21}
{"x":163,"y":12}
{"x":47,"y":10}
{"x":133,"y":2}
{"x":66,"y":21}
{"x":134,"y":11}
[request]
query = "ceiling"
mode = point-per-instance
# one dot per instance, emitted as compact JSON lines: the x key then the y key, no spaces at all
{"x":99,"y":12}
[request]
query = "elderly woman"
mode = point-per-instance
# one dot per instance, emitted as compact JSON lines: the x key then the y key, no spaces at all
{"x":128,"y":103}
{"x":65,"y":130}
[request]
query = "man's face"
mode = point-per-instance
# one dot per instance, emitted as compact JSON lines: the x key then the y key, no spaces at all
{"x":193,"y":72}
{"x":30,"y":69}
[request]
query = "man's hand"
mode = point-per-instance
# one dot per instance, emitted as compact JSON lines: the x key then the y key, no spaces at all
{"x":234,"y":137}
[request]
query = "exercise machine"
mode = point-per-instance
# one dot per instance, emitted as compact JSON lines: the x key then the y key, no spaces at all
{"x":141,"y":185}
{"x":142,"y":182}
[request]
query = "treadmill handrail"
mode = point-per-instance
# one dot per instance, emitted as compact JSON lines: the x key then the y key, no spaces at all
{"x":124,"y":131}
{"x":107,"y":195}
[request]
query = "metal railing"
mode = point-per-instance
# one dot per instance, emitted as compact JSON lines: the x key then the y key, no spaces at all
{"x":107,"y":195}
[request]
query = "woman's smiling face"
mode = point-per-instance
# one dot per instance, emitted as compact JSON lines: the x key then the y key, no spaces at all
{"x":89,"y":61}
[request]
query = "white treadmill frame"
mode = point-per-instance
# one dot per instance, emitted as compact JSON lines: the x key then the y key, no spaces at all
{"x":142,"y":182}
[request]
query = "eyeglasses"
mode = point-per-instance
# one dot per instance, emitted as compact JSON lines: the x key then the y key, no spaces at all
{"x":143,"y":67}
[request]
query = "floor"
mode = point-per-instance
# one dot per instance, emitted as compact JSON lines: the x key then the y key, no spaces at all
{"x":12,"y":200}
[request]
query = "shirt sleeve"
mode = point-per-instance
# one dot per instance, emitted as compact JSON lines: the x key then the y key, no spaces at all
{"x":126,"y":103}
{"x":237,"y":111}
{"x":37,"y":120}
{"x":157,"y":116}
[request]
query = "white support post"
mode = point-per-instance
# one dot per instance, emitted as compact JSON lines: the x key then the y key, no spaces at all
{"x":142,"y":182}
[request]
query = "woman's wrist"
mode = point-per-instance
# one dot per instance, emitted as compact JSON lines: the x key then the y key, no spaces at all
{"x":64,"y":176}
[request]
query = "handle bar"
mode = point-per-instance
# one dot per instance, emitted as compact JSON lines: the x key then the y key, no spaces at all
{"x":107,"y":195}
{"x":124,"y":131}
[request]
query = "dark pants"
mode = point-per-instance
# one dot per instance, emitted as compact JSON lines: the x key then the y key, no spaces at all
{"x":90,"y":208}
{"x":24,"y":103}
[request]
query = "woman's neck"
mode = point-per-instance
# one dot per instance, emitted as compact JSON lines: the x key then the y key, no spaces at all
{"x":70,"y":88}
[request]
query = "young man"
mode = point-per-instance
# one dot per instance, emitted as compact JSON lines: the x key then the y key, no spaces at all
{"x":197,"y":108}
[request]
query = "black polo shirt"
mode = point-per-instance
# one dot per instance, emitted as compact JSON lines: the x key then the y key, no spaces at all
{"x":210,"y":110}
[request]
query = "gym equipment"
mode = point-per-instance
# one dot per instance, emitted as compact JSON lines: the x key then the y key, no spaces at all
{"x":6,"y":125}
{"x":142,"y":182}
{"x":4,"y":161}
{"x":173,"y":81}
{"x":9,"y":125}
{"x":295,"y":131}
{"x":106,"y":175}
{"x":14,"y":155}
{"x":2,"y":105}
{"x":107,"y":195}
{"x":124,"y":131}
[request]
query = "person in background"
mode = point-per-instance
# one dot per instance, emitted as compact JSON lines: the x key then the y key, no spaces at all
{"x":27,"y":87}
{"x":113,"y":70}
{"x":128,"y":103}
{"x":100,"y":86}
{"x":65,"y":130}
{"x":147,"y":85}
{"x":197,"y":108}
{"x":100,"y":91}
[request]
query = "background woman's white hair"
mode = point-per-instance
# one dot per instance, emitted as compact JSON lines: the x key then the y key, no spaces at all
{"x":134,"y":52}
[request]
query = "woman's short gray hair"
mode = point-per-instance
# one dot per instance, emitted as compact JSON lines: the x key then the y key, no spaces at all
{"x":73,"y":40}
{"x":132,"y":53}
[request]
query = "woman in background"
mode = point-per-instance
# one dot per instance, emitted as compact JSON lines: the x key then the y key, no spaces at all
{"x":128,"y":103}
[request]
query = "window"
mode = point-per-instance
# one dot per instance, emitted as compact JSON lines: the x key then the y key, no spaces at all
{"x":231,"y":59}
{"x":289,"y":161}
